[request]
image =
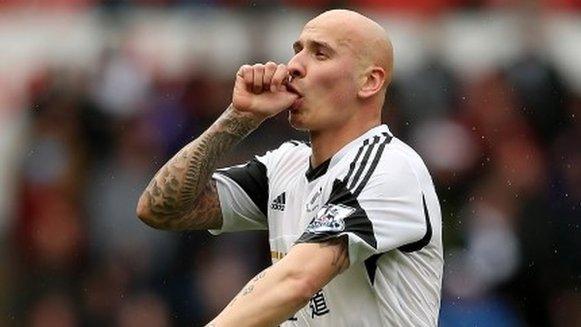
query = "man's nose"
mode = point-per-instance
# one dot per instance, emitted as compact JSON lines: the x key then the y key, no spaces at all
{"x":295,"y":67}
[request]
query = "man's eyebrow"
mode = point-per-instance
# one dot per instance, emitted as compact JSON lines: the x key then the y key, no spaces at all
{"x":313,"y":44}
{"x":322,"y":44}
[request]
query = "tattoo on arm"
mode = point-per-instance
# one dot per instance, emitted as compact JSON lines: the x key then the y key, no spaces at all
{"x":249,"y":287}
{"x":181,"y":195}
{"x":340,"y":253}
{"x":259,"y":276}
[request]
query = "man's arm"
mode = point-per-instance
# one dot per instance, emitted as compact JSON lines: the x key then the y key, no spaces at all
{"x":181,"y":195}
{"x":278,"y":292}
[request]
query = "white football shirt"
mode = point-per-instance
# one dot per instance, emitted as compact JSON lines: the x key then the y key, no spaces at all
{"x":376,"y":191}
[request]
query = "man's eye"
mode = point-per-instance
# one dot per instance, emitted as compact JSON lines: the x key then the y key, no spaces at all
{"x":320,"y":55}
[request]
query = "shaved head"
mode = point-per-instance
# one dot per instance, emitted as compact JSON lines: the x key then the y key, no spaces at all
{"x":366,"y":39}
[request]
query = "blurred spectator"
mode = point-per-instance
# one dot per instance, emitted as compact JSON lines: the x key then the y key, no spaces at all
{"x":143,"y":310}
{"x":542,"y":95}
{"x":53,"y":310}
{"x":105,"y":288}
{"x":121,"y":86}
{"x":429,"y":93}
{"x":114,"y":230}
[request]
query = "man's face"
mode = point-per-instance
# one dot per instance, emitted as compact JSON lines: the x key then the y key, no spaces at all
{"x":323,"y":72}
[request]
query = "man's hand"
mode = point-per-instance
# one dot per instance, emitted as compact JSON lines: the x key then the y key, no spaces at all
{"x":260,"y":90}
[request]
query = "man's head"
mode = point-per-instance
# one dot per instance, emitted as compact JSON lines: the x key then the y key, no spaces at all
{"x":342,"y":66}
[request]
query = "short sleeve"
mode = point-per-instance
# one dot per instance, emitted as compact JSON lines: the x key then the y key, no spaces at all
{"x":243,"y":194}
{"x":387,"y":212}
{"x":243,"y":191}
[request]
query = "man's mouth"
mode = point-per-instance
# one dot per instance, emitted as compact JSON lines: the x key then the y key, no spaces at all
{"x":299,"y":101}
{"x":291,"y":88}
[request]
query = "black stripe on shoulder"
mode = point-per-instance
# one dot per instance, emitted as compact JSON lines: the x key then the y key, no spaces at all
{"x":373,"y":164}
{"x":354,"y":162}
{"x":420,"y":244}
{"x":252,"y":179}
{"x":364,"y":162}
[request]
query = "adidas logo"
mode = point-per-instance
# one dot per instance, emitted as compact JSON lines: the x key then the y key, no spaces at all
{"x":279,"y":202}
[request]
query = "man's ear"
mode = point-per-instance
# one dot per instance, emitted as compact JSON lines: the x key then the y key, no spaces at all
{"x":373,"y":81}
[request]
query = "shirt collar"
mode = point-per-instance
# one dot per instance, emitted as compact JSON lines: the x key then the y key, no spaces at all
{"x":320,"y":170}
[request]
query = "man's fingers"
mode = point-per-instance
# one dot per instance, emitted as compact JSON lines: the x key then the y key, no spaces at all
{"x":258,"y":77}
{"x":278,"y":78}
{"x":269,"y":70}
{"x":247,"y":75}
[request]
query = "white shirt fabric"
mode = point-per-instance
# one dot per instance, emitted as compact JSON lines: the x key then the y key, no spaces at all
{"x":378,"y":193}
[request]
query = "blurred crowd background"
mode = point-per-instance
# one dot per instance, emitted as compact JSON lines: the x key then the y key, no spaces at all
{"x":96,"y":95}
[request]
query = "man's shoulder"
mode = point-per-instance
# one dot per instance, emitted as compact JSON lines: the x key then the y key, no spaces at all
{"x":380,"y":157}
{"x":402,"y":156}
{"x":401,"y":165}
{"x":291,"y":151}
{"x":292,"y":147}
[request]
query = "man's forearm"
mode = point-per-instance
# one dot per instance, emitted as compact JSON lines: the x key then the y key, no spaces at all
{"x":270,"y":298}
{"x":277,"y":293}
{"x":173,"y":191}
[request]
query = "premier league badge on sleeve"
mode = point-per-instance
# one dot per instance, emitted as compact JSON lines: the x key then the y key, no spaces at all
{"x":330,"y":219}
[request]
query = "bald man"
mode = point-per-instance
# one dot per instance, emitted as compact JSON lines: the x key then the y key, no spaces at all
{"x":353,"y":218}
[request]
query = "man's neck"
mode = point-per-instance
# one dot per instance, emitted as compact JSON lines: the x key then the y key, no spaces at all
{"x":325,"y":144}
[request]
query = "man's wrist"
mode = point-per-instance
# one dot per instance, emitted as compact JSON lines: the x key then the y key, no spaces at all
{"x":239,"y":123}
